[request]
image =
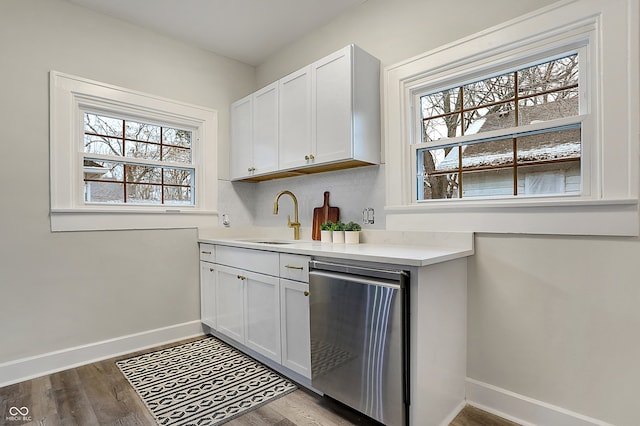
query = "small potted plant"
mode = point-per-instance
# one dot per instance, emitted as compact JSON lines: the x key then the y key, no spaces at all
{"x":338,"y":232}
{"x":352,"y":233}
{"x":326,"y":229}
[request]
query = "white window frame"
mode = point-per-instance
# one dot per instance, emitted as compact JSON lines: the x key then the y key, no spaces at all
{"x":606,"y":34}
{"x":70,"y":98}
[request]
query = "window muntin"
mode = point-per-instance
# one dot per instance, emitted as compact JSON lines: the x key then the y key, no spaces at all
{"x":517,"y":161}
{"x":133,"y":162}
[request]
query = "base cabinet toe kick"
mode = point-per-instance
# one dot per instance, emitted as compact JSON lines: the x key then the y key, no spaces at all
{"x":387,"y":340}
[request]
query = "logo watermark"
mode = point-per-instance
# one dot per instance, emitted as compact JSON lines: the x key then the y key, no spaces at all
{"x":18,"y":414}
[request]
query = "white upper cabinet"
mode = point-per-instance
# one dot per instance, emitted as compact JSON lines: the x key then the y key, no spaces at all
{"x":328,"y":116}
{"x":254,"y":133}
{"x":295,"y":119}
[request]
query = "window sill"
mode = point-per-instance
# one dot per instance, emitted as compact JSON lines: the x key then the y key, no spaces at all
{"x":103,"y":219}
{"x":616,"y":217}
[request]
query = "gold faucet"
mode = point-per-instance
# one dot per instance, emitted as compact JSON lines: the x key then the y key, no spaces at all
{"x":295,"y":224}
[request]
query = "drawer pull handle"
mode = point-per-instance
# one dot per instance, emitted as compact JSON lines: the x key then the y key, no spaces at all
{"x":205,"y":252}
{"x":306,"y":293}
{"x":294,"y":267}
{"x":242,"y":277}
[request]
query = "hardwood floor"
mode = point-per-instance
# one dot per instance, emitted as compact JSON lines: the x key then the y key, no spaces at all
{"x":98,"y":394}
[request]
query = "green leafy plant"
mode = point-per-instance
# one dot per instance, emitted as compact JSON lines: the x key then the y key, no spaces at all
{"x":339,"y":226}
{"x":327,"y":226}
{"x":352,"y":226}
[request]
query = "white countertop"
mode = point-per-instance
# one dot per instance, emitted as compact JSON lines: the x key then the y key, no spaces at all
{"x":400,"y":248}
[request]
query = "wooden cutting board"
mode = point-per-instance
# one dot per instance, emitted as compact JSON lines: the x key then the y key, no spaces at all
{"x":323,"y":214}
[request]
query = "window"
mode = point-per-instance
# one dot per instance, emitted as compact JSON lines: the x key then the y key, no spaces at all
{"x":527,"y":127}
{"x":514,"y":134}
{"x":127,"y":160}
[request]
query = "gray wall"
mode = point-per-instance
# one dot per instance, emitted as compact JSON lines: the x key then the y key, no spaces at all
{"x":60,"y":290}
{"x":550,"y":318}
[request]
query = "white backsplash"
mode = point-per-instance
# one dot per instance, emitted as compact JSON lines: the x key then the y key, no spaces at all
{"x":251,"y":204}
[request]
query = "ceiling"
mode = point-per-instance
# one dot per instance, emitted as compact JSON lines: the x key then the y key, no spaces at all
{"x":246,"y":30}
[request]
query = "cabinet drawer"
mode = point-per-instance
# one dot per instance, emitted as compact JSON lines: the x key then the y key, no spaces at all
{"x":264,"y":262}
{"x":207,"y":252}
{"x":294,"y":267}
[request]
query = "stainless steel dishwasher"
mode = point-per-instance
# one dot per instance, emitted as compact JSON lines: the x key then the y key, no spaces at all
{"x":359,"y":338}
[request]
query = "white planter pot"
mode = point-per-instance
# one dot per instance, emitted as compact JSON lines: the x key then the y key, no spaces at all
{"x":325,"y":236}
{"x":338,"y":237}
{"x":352,"y":237}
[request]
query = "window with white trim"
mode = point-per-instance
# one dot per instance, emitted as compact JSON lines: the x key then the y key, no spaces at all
{"x":122,"y":159}
{"x":527,"y":127}
{"x":512,"y":134}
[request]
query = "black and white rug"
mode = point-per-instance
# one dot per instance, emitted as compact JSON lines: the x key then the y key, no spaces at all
{"x":204,"y":382}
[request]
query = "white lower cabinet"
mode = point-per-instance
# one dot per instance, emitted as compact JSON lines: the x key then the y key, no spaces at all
{"x":262,"y":315}
{"x":248,"y":308}
{"x":208,"y":294}
{"x":296,"y":343}
{"x":260,"y":300}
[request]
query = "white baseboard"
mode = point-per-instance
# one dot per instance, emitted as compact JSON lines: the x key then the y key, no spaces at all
{"x":28,"y":368}
{"x":521,"y":409}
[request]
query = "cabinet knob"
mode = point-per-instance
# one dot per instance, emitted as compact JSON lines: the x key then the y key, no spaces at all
{"x":211,"y":269}
{"x":242,"y":277}
{"x":306,"y":157}
{"x":306,"y":293}
{"x":311,"y":157}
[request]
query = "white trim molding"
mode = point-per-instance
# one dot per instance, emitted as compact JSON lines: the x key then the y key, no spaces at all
{"x":608,"y":32}
{"x":521,"y":409}
{"x":28,"y":368}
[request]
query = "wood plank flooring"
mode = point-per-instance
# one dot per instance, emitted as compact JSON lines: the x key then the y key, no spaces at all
{"x":98,"y":394}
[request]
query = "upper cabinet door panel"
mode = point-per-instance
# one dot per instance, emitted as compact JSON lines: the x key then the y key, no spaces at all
{"x":241,"y":135}
{"x":265,"y":129}
{"x":332,"y":93}
{"x":295,"y":118}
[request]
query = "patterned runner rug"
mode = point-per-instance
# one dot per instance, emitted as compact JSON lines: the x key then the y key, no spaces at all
{"x":204,"y":382}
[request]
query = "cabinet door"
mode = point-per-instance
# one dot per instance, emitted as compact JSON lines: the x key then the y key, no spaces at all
{"x":229,"y":291}
{"x":265,"y":129}
{"x":208,"y":294}
{"x":295,"y":119}
{"x":332,"y":112}
{"x":296,"y":342}
{"x":262,"y":315}
{"x":240,"y":151}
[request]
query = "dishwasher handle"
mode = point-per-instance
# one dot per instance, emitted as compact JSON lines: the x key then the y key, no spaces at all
{"x":387,"y":274}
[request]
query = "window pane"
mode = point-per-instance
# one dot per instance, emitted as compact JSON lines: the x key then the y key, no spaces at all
{"x":102,"y":125}
{"x":445,"y":122}
{"x":103,"y":170}
{"x":552,"y":75}
{"x":548,"y":107}
{"x":439,"y":176}
{"x":102,"y":145}
{"x":489,"y":91}
{"x":500,"y":116}
{"x":177,"y":195}
{"x":144,"y":194}
{"x":148,"y":151}
{"x":487,"y":183}
{"x":176,"y":155}
{"x":176,"y":137}
{"x":103,"y":192}
{"x":142,"y":131}
{"x":178,"y":177}
{"x":550,"y":163}
{"x":144,"y":174}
